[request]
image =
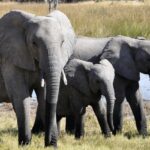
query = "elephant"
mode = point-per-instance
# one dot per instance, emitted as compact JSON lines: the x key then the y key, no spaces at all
{"x":86,"y":83}
{"x":29,"y":43}
{"x":129,"y":57}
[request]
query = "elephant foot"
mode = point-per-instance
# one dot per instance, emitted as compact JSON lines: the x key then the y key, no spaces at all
{"x":108,"y":135}
{"x":51,"y":138}
{"x":78,"y":135}
{"x":52,"y":142}
{"x":115,"y":132}
{"x":24,"y":141}
{"x":143,"y":133}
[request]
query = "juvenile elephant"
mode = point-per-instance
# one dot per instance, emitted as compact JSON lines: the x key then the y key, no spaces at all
{"x":129,"y":57}
{"x":86,"y":83}
{"x":30,"y":43}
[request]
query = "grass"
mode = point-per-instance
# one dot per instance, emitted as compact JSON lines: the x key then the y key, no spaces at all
{"x":97,"y":20}
{"x":129,"y":140}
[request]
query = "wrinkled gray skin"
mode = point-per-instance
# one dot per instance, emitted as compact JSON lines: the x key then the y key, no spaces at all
{"x":27,"y":40}
{"x":129,"y":57}
{"x":86,"y":83}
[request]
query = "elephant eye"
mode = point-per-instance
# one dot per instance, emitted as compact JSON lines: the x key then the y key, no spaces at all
{"x":34,"y":44}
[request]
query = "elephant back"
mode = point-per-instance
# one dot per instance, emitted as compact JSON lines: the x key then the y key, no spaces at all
{"x":89,"y":48}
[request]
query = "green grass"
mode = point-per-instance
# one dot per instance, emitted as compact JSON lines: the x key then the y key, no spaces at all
{"x":108,"y":20}
{"x":92,"y":140}
{"x":97,"y":20}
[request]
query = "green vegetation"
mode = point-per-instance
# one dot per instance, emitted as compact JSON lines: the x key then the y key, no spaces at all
{"x":97,"y":20}
{"x":107,"y":19}
{"x":92,"y":140}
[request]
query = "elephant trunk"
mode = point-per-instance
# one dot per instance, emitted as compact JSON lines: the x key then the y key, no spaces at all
{"x":110,"y":98}
{"x":52,"y":77}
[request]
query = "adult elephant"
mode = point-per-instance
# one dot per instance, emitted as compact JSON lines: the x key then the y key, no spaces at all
{"x":129,"y":57}
{"x":97,"y":80}
{"x":27,"y":40}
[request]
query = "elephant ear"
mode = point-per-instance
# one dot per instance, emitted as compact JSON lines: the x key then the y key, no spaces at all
{"x":67,"y":32}
{"x":12,"y":40}
{"x":77,"y":75}
{"x":119,"y":53}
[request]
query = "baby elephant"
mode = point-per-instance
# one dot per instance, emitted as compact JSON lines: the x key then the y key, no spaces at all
{"x":86,"y":83}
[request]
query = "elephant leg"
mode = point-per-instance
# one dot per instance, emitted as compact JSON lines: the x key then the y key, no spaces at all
{"x":118,"y":115}
{"x":39,"y":124}
{"x":135,"y":100}
{"x":79,"y":126}
{"x":100,"y":112}
{"x":119,"y":85}
{"x":70,"y":124}
{"x":23,"y":115}
{"x":18,"y":92}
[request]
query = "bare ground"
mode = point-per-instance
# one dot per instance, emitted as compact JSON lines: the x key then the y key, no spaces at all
{"x":7,"y":107}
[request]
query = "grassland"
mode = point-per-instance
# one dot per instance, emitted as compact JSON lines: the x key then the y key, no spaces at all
{"x":98,"y":19}
{"x":92,"y":140}
{"x":90,"y":19}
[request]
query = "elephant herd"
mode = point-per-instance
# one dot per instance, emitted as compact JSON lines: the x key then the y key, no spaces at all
{"x":68,"y":73}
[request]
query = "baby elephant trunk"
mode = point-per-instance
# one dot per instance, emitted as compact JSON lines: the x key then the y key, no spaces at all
{"x":110,"y":98}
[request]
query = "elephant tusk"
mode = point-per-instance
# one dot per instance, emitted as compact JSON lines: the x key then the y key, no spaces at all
{"x":64,"y":77}
{"x":42,"y":82}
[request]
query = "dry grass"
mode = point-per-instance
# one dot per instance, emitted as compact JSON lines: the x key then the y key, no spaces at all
{"x":92,"y":140}
{"x":90,"y":19}
{"x":98,"y":19}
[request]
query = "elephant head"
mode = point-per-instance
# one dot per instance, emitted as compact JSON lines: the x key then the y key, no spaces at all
{"x":26,"y":39}
{"x":129,"y":56}
{"x":101,"y":79}
{"x":93,"y":80}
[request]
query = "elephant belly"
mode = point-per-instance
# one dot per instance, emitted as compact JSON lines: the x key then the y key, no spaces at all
{"x":3,"y":93}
